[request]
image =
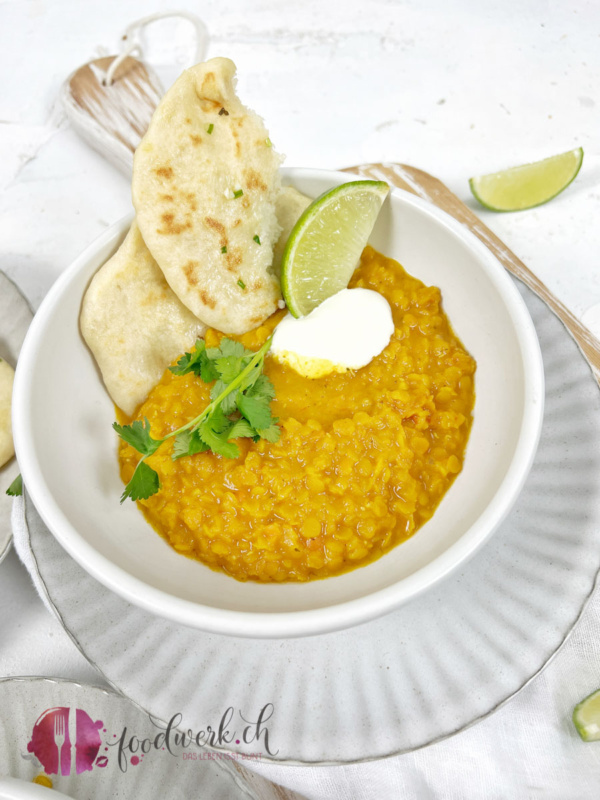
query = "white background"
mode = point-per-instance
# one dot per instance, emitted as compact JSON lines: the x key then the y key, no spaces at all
{"x":456,"y":88}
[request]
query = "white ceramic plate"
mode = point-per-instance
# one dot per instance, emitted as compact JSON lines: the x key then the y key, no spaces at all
{"x":95,"y":770}
{"x":15,"y":319}
{"x":71,"y":472}
{"x":16,"y":789}
{"x":430,"y":669}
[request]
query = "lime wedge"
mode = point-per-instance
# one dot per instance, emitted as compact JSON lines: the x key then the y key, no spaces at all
{"x":326,"y":243}
{"x":586,"y":716}
{"x":528,"y":185}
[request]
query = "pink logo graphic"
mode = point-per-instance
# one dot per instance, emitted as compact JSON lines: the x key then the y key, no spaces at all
{"x":66,"y":741}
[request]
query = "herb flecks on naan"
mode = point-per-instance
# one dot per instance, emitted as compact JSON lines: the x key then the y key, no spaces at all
{"x":134,"y":324}
{"x":205,"y":186}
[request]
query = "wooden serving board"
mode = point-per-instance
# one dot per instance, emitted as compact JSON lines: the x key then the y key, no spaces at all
{"x":429,"y":188}
{"x":112,"y":119}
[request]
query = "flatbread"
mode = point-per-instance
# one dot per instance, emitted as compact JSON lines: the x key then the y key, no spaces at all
{"x":134,"y":324}
{"x":7,"y":448}
{"x":289,"y":207}
{"x":184,"y":184}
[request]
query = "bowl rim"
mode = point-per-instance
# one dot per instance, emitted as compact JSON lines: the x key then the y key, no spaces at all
{"x":289,"y":624}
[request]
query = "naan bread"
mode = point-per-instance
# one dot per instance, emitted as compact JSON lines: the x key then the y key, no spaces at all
{"x":289,"y":207}
{"x":134,"y":324}
{"x":184,"y":184}
{"x":7,"y":449}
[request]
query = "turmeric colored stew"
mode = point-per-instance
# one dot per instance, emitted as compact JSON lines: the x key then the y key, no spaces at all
{"x":360,"y":461}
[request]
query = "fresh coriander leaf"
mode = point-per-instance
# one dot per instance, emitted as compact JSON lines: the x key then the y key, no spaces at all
{"x":138,"y":436}
{"x":228,"y":402}
{"x":208,"y":373}
{"x":228,"y":367}
{"x":182,"y":366}
{"x":251,"y":378}
{"x":181,"y":444}
{"x":229,"y":347}
{"x":218,"y":421}
{"x":188,"y":361}
{"x":262,"y":387}
{"x":212,"y":428}
{"x":197,"y":362}
{"x":217,"y":390}
{"x":242,"y":429}
{"x":272,"y":433}
{"x":188,"y":443}
{"x":16,"y":487}
{"x":256,"y":410}
{"x":143,"y":484}
{"x":217,"y":442}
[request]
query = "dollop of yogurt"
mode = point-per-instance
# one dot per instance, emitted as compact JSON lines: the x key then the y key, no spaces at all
{"x":345,"y":332}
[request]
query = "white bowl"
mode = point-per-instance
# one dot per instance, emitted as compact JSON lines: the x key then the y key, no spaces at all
{"x":67,"y":449}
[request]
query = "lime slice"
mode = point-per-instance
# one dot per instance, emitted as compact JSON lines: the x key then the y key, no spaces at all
{"x":586,"y":716}
{"x":326,"y":243}
{"x":528,"y":185}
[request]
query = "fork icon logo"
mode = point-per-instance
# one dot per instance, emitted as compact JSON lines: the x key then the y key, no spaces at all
{"x":66,"y":741}
{"x":59,"y":739}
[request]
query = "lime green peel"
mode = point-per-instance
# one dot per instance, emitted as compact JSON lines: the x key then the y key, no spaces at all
{"x":325,"y":245}
{"x":586,"y":717}
{"x":529,"y":185}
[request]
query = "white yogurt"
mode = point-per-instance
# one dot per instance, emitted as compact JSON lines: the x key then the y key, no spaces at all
{"x":345,"y":332}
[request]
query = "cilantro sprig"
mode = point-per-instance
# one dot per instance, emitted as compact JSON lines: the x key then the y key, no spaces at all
{"x":16,"y":487}
{"x":240,"y":408}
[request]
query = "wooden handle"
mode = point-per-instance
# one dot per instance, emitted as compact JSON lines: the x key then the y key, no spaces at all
{"x":112,"y":119}
{"x":429,"y":188}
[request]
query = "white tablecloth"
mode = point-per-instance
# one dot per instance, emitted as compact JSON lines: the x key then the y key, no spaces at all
{"x":458,"y":89}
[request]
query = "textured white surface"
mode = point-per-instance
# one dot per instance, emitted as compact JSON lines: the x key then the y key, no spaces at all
{"x":458,"y":89}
